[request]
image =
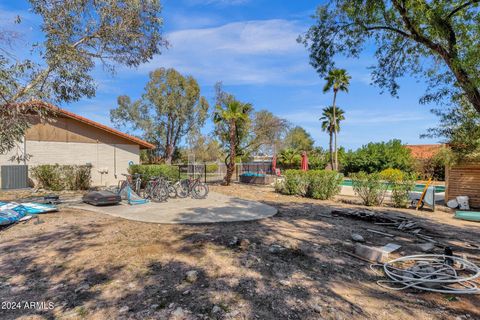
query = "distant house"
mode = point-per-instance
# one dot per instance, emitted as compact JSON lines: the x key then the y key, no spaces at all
{"x":70,"y":139}
{"x":424,"y":151}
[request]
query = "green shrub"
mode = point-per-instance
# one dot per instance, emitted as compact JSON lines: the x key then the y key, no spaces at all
{"x":296,"y":182}
{"x":392,"y":175}
{"x":369,"y":187}
{"x":375,"y":157}
{"x":317,"y":184}
{"x":400,"y":183}
{"x":62,"y":177}
{"x":150,"y":171}
{"x":323,"y":184}
{"x":212,"y":168}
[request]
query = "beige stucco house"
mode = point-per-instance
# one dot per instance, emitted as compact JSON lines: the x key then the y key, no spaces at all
{"x":70,"y":139}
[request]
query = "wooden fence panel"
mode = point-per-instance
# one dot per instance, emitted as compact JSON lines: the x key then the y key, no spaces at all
{"x":464,"y":180}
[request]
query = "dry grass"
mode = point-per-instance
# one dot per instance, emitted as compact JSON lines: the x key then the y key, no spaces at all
{"x":91,"y":266}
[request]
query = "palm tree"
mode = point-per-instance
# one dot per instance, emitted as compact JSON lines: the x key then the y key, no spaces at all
{"x":338,"y":80}
{"x":231,"y":115}
{"x":288,"y":157}
{"x":328,"y":125}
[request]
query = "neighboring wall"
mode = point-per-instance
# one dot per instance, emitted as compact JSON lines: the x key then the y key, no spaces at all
{"x":111,"y":159}
{"x":69,"y":142}
{"x":464,"y":180}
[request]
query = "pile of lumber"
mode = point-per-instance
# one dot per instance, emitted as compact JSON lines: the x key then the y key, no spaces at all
{"x":386,"y":220}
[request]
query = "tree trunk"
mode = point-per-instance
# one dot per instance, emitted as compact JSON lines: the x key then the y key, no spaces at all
{"x":168,"y":154}
{"x":330,"y":131}
{"x":335,"y":167}
{"x":231,"y":164}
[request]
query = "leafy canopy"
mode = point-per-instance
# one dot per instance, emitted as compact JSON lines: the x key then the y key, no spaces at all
{"x":338,"y":80}
{"x":327,"y":121}
{"x":78,"y":34}
{"x":375,"y":157}
{"x":299,"y":139}
{"x":170,"y":108}
{"x":436,"y":40}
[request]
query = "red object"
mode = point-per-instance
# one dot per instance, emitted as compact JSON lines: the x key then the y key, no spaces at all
{"x":274,"y":164}
{"x":304,"y":165}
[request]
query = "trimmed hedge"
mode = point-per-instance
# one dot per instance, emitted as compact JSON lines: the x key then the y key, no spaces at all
{"x":316,"y":184}
{"x":62,"y":177}
{"x":150,"y":171}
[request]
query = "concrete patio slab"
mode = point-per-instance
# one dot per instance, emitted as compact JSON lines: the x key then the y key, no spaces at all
{"x":216,"y":208}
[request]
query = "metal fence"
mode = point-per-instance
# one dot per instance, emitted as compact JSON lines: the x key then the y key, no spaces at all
{"x":14,"y":176}
{"x":215,"y":172}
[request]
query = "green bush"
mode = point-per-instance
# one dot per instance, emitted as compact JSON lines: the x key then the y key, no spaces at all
{"x":392,"y":175}
{"x":150,"y":171}
{"x":375,"y":157}
{"x":323,"y":184}
{"x":296,"y":182}
{"x":62,"y":177}
{"x":212,"y":168}
{"x":400,"y":183}
{"x":369,"y":187}
{"x":317,"y":184}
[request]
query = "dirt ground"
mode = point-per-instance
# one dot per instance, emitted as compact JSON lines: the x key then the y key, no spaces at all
{"x":84,"y":265}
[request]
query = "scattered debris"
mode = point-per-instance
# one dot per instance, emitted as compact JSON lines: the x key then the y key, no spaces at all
{"x":178,"y":313}
{"x":276,"y":248}
{"x":431,"y":272}
{"x":357,"y":237}
{"x":233,"y":242}
{"x":355,"y":256}
{"x":244,"y":244}
{"x":192,"y":276}
{"x":426,"y":247}
{"x":124,"y":309}
{"x":375,"y":254}
{"x":380,"y":232}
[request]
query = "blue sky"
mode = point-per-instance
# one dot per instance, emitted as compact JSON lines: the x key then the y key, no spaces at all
{"x":250,"y":45}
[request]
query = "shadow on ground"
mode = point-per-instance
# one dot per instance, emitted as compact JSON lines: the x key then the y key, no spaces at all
{"x":289,"y":266}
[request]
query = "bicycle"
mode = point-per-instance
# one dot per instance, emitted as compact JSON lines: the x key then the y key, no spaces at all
{"x":191,"y":186}
{"x":159,"y":189}
{"x":132,"y":180}
{"x":129,"y":190}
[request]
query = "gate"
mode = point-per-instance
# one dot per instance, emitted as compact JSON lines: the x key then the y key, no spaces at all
{"x":14,"y":176}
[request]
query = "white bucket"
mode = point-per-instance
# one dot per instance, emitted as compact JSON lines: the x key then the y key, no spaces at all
{"x":463,"y":202}
{"x":453,"y":204}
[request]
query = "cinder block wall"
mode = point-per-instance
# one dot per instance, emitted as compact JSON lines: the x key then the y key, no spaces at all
{"x":114,"y":159}
{"x":464,"y":180}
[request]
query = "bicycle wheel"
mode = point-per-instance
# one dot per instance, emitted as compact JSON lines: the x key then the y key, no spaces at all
{"x":172,"y":192}
{"x":199,"y":191}
{"x":147,"y":192}
{"x":181,"y":189}
{"x":160,"y":193}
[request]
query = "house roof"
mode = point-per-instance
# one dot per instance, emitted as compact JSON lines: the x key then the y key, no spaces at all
{"x":36,"y":103}
{"x":424,"y":151}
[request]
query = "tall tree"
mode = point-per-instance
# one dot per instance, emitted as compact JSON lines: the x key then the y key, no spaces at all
{"x":438,"y":40}
{"x":205,"y":148}
{"x":77,"y":35}
{"x":170,"y":108}
{"x":337,"y":80}
{"x":299,"y":139}
{"x":459,"y":127}
{"x":269,"y":132}
{"x":232,"y":118}
{"x":329,"y":125}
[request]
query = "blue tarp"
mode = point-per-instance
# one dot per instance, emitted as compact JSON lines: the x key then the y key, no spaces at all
{"x":11,"y":212}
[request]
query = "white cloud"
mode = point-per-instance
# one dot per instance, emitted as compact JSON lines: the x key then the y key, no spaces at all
{"x":247,"y":52}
